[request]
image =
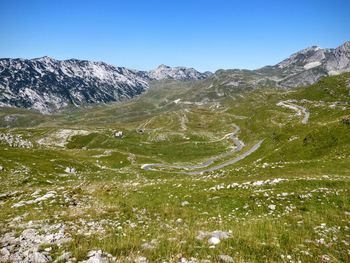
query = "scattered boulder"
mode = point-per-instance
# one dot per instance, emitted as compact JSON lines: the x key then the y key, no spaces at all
{"x":185,"y":203}
{"x":272,"y":207}
{"x":141,"y":259}
{"x":179,"y":220}
{"x":150,"y":245}
{"x":213,"y":241}
{"x":64,"y":257}
{"x":226,"y":258}
{"x":221,"y":234}
{"x":95,"y":257}
{"x":214,"y":237}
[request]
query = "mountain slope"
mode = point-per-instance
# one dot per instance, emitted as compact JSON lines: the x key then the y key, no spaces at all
{"x":46,"y":84}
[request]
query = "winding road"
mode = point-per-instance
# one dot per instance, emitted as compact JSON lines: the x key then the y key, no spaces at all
{"x":299,"y":109}
{"x":238,"y":146}
{"x":230,"y":162}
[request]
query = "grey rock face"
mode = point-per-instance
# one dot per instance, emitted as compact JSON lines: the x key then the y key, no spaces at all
{"x":46,"y":84}
{"x":339,"y":59}
{"x":26,"y":247}
{"x":309,"y":65}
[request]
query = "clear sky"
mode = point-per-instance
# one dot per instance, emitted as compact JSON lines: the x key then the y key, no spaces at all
{"x":205,"y":34}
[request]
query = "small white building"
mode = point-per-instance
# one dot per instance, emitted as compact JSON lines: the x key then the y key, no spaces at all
{"x":70,"y":170}
{"x":118,"y":134}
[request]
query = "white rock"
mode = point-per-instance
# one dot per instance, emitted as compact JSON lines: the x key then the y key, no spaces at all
{"x":217,"y":234}
{"x":272,"y":207}
{"x":220,"y":234}
{"x":179,"y":220}
{"x":213,"y":241}
{"x":184,"y":203}
{"x":95,"y":257}
{"x":65,"y":256}
{"x":325,"y":258}
{"x":225,"y":258}
{"x":148,"y":246}
{"x":4,"y":254}
{"x":141,"y":259}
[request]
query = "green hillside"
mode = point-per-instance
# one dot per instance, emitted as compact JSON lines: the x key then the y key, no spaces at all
{"x":285,"y":201}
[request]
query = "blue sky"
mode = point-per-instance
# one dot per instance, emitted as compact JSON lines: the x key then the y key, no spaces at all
{"x":207,"y":35}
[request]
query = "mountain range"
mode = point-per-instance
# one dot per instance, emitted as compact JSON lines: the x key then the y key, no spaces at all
{"x":46,"y":84}
{"x":300,"y":69}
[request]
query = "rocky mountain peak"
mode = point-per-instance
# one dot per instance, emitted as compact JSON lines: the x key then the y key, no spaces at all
{"x":304,"y":67}
{"x":162,"y":66}
{"x":176,"y":73}
{"x":345,"y":46}
{"x":44,"y":59}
